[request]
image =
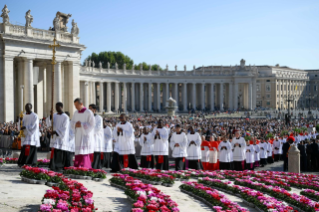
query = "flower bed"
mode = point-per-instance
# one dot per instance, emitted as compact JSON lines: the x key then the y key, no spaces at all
{"x":257,"y":198}
{"x":145,"y":196}
{"x":85,"y":173}
{"x":43,"y":162}
{"x":150,"y":176}
{"x":312,"y":194}
{"x":40,"y":176}
{"x":11,"y":160}
{"x":200,"y":173}
{"x":299,"y":201}
{"x":2,"y":161}
{"x":218,"y":201}
{"x":178,"y":175}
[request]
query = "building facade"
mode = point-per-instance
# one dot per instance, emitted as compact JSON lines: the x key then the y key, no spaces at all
{"x":26,"y":77}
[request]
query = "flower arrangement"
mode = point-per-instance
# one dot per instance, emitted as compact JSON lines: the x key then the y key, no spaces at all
{"x":145,"y":196}
{"x":11,"y":160}
{"x":200,"y":173}
{"x":312,"y":194}
{"x":81,"y":171}
{"x":219,"y":201}
{"x":2,"y":161}
{"x":40,"y":174}
{"x":43,"y":162}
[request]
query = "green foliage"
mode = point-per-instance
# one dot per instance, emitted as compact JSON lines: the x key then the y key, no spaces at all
{"x":145,"y":67}
{"x":247,"y":138}
{"x":112,"y":58}
{"x":304,"y":129}
{"x":297,"y":130}
{"x":284,"y":132}
{"x":317,"y":127}
{"x":269,"y":135}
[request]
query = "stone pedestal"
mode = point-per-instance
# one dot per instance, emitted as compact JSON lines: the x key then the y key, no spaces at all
{"x":16,"y":155}
{"x":294,"y":159}
{"x":171,"y":107}
{"x":49,"y":155}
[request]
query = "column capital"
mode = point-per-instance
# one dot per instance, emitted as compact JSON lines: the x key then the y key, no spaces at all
{"x":86,"y":83}
{"x":8,"y":58}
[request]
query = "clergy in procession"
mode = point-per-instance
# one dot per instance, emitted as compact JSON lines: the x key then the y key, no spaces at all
{"x":178,"y":145}
{"x":225,"y":150}
{"x":269,"y":151}
{"x":70,"y":152}
{"x":31,"y":140}
{"x":98,"y":139}
{"x":250,"y":156}
{"x":160,"y":150}
{"x":194,"y":154}
{"x":82,"y":124}
{"x":108,"y":145}
{"x":256,"y":152}
{"x":277,"y":149}
{"x":146,"y":142}
{"x":263,"y":153}
{"x":239,"y":151}
{"x":60,"y":142}
{"x":123,"y":135}
{"x":205,"y":147}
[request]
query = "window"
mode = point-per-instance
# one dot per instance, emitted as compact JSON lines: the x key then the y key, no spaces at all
{"x":277,"y":87}
{"x":258,"y":103}
{"x":268,"y":96}
{"x":267,"y":80}
{"x":268,"y":88}
{"x":258,"y":87}
{"x":315,"y":88}
{"x":268,"y":102}
{"x":281,"y":88}
{"x":258,"y":96}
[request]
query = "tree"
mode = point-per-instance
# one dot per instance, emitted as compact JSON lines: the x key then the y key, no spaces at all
{"x":147,"y":67}
{"x":112,"y":58}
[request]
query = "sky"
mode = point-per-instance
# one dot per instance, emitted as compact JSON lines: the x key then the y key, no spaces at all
{"x":183,"y":32}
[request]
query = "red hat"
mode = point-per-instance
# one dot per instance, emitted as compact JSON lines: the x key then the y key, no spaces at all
{"x":291,"y":138}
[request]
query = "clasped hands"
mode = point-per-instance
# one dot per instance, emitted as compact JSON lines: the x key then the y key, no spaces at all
{"x":237,"y":145}
{"x":176,"y":145}
{"x":192,"y":142}
{"x":78,"y":124}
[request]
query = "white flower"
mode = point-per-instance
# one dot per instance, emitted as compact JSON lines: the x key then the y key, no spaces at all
{"x":154,"y":198}
{"x":48,"y":201}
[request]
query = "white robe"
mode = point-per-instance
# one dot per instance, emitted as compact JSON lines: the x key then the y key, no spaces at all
{"x":71,"y":140}
{"x":180,"y":151}
{"x":277,"y":144}
{"x":108,"y":143}
{"x":160,"y":145}
{"x":61,"y":126}
{"x":250,"y":156}
{"x":98,"y":134}
{"x":125,"y":139}
{"x":147,"y":146}
{"x":31,"y":132}
{"x":225,"y":154}
{"x":84,"y":135}
{"x":194,"y":151}
{"x":269,"y":150}
{"x":263,"y":152}
{"x":257,"y":152}
{"x":239,"y":152}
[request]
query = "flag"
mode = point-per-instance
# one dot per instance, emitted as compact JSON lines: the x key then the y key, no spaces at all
{"x":296,"y":87}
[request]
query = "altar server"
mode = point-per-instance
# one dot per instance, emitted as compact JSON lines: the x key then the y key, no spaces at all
{"x":263,"y":153}
{"x":108,"y":145}
{"x":30,"y":127}
{"x":239,"y":150}
{"x":146,"y":142}
{"x":277,"y":149}
{"x":194,"y":154}
{"x":123,"y":134}
{"x":70,"y":152}
{"x":225,"y":150}
{"x":178,"y":145}
{"x":250,"y":156}
{"x":160,"y":151}
{"x":98,"y":140}
{"x":83,"y":124}
{"x":256,"y":152}
{"x":60,"y":141}
{"x":205,"y":147}
{"x":269,"y":152}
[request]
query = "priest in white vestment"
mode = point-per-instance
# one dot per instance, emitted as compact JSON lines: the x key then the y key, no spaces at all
{"x":83,"y":124}
{"x":225,"y":150}
{"x":108,"y":145}
{"x":123,"y":135}
{"x":160,"y":150}
{"x":256,"y":153}
{"x":263,"y":153}
{"x":250,"y":156}
{"x":30,"y":127}
{"x":178,"y":145}
{"x":60,"y":141}
{"x":146,"y":142}
{"x":70,"y":151}
{"x":269,"y":151}
{"x":98,"y":139}
{"x":239,"y":151}
{"x":277,"y":149}
{"x":194,"y":153}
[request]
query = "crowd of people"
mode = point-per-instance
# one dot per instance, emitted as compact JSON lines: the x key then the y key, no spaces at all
{"x":194,"y":141}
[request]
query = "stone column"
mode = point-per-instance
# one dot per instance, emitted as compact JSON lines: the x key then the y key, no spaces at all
{"x":254,"y":93}
{"x":250,"y":96}
{"x":212,"y":97}
{"x":44,"y":70}
{"x":221,"y":97}
{"x":150,"y":97}
{"x":133,"y":96}
{"x":202,"y":96}
{"x":176,"y":94}
{"x":124,"y":97}
{"x":294,"y":159}
{"x":57,"y":83}
{"x":194,"y":96}
{"x":167,"y":91}
{"x":94,"y":92}
{"x":117,"y":96}
{"x":28,"y":82}
{"x":86,"y":94}
{"x":235,"y":97}
{"x":230,"y":96}
{"x":73,"y":84}
{"x":101,"y":98}
{"x":7,"y":89}
{"x":49,"y":88}
{"x":141,"y":97}
{"x":109,"y":97}
{"x":21,"y":101}
{"x":185,"y":97}
{"x":21,"y":83}
{"x":158,"y":96}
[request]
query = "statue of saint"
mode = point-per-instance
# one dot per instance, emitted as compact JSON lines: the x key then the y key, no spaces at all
{"x":75,"y":29}
{"x":5,"y":15}
{"x":28,"y":19}
{"x":56,"y":23}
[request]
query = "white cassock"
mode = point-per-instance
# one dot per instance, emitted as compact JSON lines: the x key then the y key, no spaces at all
{"x":239,"y":152}
{"x":98,"y":134}
{"x":194,"y":151}
{"x":263,"y":150}
{"x":250,"y":154}
{"x":278,"y":145}
{"x":269,"y":150}
{"x":71,"y":140}
{"x":31,"y":131}
{"x":225,"y":154}
{"x":257,"y":152}
{"x":84,"y":135}
{"x":124,"y":139}
{"x":108,"y":144}
{"x":160,"y":144}
{"x":181,"y":139}
{"x":61,"y":126}
{"x":205,"y":153}
{"x":48,"y":121}
{"x":147,"y":146}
